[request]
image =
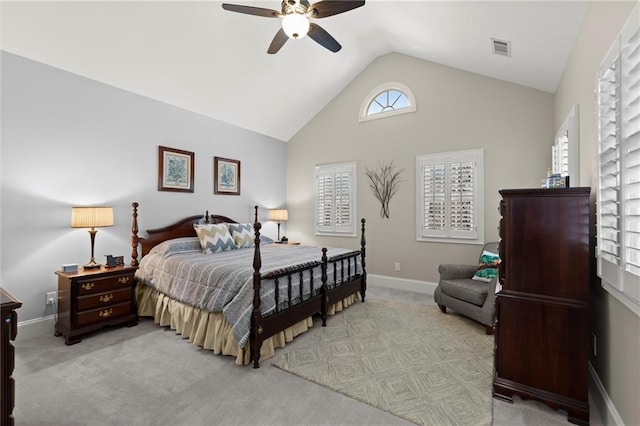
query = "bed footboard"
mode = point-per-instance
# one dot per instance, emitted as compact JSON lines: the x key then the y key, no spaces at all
{"x":346,"y":282}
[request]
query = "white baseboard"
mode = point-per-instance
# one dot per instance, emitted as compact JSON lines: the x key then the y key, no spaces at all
{"x":416,"y":286}
{"x":600,"y":399}
{"x":36,"y":327}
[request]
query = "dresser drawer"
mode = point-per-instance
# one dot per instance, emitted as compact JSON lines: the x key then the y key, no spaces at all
{"x":104,"y":284}
{"x":104,"y":299}
{"x":104,"y":314}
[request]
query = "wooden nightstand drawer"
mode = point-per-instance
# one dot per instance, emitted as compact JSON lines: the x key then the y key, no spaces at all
{"x":104,"y":299}
{"x":101,"y":285}
{"x":103,"y":314}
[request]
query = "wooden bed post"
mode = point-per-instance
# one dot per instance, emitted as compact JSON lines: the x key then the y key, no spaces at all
{"x":134,"y":235}
{"x":363,"y":250}
{"x":255,"y":335}
{"x":323,"y":289}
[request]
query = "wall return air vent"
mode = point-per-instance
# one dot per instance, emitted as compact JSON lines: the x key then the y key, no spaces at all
{"x":501,"y":47}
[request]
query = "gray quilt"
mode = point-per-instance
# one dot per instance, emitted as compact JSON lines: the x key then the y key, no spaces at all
{"x":223,"y":281}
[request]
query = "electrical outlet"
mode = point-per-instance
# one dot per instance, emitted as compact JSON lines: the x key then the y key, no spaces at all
{"x":397,"y":266}
{"x":594,"y":346}
{"x":51,"y":298}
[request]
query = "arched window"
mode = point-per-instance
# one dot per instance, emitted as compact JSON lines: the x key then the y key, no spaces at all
{"x":387,"y":99}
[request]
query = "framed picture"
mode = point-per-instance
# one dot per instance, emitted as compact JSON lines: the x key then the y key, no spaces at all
{"x":175,"y":170}
{"x":226,"y":176}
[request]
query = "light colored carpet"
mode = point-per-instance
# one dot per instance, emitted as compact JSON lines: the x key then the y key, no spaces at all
{"x":413,"y":362}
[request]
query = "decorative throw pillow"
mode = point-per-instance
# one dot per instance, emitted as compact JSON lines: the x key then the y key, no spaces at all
{"x":242,"y":234}
{"x":488,"y":267}
{"x":214,"y":237}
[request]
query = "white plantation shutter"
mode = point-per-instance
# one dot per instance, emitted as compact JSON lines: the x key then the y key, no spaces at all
{"x":566,"y":148}
{"x":342,"y":199}
{"x":630,"y":148}
{"x":335,"y":199}
{"x":462,"y":196}
{"x":609,"y":170}
{"x":435,"y":215}
{"x":324,"y":191}
{"x":560,"y":154}
{"x":618,"y":204}
{"x":450,"y":196}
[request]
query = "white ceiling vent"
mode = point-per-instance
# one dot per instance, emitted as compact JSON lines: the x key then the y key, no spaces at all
{"x":501,"y":47}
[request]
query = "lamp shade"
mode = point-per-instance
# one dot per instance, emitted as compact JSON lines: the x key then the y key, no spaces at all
{"x":91,"y":217}
{"x":278,"y":214}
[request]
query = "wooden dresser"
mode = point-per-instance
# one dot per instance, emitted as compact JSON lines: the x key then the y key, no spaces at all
{"x":542,"y":311}
{"x":8,"y":306}
{"x":91,"y":299}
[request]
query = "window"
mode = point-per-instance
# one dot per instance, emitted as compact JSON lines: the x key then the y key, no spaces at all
{"x":450,"y":197}
{"x":387,"y":100}
{"x":335,"y":212}
{"x":566,"y":149}
{"x":618,"y":195}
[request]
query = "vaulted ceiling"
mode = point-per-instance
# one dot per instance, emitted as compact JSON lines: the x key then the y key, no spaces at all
{"x":199,"y":57}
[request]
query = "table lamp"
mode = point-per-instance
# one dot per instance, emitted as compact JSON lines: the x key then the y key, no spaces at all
{"x":91,"y":217}
{"x":279,"y":215}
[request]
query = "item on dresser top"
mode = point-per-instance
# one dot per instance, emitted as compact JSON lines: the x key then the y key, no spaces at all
{"x":70,"y":267}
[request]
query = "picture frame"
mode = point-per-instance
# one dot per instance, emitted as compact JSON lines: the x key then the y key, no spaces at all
{"x":175,"y":169}
{"x":226,"y":176}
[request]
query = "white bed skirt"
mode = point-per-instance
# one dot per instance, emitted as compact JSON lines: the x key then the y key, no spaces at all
{"x":210,"y":330}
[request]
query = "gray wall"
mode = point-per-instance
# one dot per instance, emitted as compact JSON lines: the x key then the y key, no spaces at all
{"x":456,"y":110}
{"x":616,"y":327}
{"x":68,"y":140}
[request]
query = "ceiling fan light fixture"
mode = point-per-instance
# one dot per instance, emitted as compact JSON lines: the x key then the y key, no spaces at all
{"x":295,"y":25}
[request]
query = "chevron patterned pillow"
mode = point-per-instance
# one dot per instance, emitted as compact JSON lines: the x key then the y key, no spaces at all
{"x":242,"y":234}
{"x":214,"y":237}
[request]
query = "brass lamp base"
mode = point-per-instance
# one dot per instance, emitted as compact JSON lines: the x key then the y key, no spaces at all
{"x":92,"y":265}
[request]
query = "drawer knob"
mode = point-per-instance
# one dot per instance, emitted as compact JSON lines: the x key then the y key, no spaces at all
{"x":123,"y":280}
{"x":106,"y":298}
{"x":88,"y":286}
{"x":105,"y":313}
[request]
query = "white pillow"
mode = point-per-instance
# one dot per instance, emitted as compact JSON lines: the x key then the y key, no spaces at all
{"x":177,"y":245}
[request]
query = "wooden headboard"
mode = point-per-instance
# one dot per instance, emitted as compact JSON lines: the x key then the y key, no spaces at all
{"x":181,"y":228}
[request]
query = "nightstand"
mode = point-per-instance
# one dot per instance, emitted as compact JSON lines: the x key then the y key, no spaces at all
{"x":89,"y":300}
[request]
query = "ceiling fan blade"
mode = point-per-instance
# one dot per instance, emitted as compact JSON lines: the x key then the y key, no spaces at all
{"x":322,"y":9}
{"x":317,"y":33}
{"x":250,"y":10}
{"x":278,"y":41}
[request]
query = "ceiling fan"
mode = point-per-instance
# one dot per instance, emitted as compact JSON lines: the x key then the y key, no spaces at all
{"x":295,"y":16}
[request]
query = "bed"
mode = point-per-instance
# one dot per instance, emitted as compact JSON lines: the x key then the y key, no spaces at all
{"x":246,"y":301}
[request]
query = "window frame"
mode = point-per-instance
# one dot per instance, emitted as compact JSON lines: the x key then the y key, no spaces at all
{"x":447,"y":235}
{"x":351,"y":229}
{"x":569,"y":145}
{"x":618,"y":193}
{"x":374,"y":93}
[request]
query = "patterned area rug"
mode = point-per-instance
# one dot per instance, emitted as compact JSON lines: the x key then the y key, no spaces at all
{"x":413,"y":362}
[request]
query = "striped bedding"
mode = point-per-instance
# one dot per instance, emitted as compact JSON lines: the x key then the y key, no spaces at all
{"x":223,"y":281}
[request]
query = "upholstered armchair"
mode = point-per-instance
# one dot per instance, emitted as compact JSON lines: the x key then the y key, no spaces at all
{"x":471,"y":298}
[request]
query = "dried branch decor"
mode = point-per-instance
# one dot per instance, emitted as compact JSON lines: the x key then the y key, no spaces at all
{"x":384,"y":182}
